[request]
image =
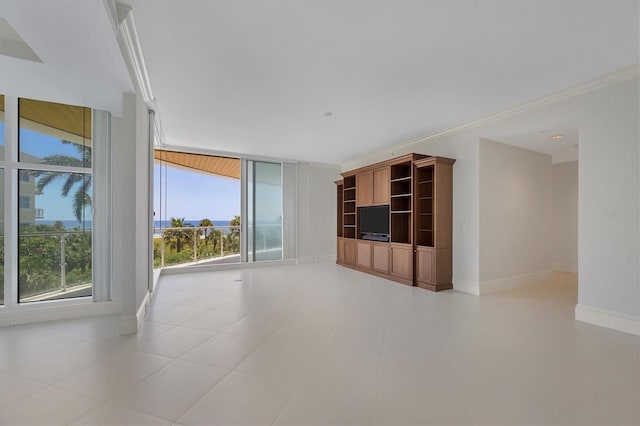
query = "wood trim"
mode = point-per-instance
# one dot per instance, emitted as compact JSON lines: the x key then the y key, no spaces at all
{"x":435,"y":287}
{"x":397,"y":160}
{"x":380,"y":275}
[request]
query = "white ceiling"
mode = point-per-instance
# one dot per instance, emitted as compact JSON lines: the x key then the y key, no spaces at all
{"x":257,"y":76}
{"x":81,"y":60}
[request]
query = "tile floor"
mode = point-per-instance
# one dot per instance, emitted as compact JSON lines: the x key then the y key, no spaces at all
{"x":324,"y":345}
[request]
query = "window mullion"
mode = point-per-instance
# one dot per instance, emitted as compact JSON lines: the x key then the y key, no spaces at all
{"x":11,"y":203}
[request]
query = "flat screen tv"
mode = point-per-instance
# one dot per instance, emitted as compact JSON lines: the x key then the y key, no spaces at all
{"x":374,"y":220}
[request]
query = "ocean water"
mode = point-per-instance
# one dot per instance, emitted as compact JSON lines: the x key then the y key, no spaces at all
{"x":70,"y":224}
{"x":167,"y":223}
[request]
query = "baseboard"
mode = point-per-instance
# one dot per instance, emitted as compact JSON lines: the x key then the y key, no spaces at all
{"x":225,"y":267}
{"x":487,"y":287}
{"x":316,"y":259}
{"x":562,"y":267}
{"x":156,"y":277}
{"x":142,"y":310}
{"x":32,"y":314}
{"x":128,"y":325}
{"x":609,"y":319}
{"x":471,"y":287}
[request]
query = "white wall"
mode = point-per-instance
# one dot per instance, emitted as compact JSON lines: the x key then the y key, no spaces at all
{"x":130,"y":191}
{"x":143,"y":191}
{"x":564,"y":235}
{"x":316,"y":216}
{"x":123,"y":145}
{"x":515,"y":216}
{"x":609,"y":203}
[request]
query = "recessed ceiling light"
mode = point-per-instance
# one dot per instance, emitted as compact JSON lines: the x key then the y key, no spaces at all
{"x":556,"y":137}
{"x":328,"y":114}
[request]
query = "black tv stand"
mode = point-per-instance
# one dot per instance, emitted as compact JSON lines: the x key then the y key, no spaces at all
{"x":376,"y":237}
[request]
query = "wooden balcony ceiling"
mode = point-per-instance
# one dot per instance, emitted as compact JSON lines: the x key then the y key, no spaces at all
{"x":221,"y":166}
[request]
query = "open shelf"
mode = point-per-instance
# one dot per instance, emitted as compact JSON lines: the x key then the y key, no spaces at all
{"x":400,"y":204}
{"x":401,"y":171}
{"x":402,"y":187}
{"x":401,"y":179}
{"x":340,"y":209}
{"x":424,"y":206}
{"x":401,"y":227}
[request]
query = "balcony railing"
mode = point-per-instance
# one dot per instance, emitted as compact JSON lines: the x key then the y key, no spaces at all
{"x":202,"y":245}
{"x":196,"y":245}
{"x":54,"y":265}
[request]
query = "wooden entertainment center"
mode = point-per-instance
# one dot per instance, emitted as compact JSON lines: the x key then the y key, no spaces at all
{"x":414,"y":247}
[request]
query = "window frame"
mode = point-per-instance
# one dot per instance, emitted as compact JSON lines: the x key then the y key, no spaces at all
{"x":13,"y":312}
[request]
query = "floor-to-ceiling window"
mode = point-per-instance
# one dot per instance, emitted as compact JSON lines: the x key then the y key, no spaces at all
{"x":2,"y":131}
{"x":198,"y":219}
{"x":264,"y":210}
{"x":196,"y":209}
{"x":46,"y":167}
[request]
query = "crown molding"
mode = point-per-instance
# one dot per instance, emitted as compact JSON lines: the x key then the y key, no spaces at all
{"x":605,"y":80}
{"x":124,"y":24}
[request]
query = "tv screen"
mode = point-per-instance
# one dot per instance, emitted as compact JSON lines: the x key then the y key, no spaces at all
{"x":374,"y":220}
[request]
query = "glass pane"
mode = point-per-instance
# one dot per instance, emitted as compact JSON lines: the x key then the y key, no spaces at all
{"x":268,"y":211}
{"x":1,"y":236}
{"x":1,"y":127}
{"x":54,"y":134}
{"x":250,"y":211}
{"x":54,"y":235}
{"x":196,"y":206}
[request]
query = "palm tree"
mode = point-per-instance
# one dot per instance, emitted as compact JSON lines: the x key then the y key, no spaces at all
{"x":82,"y":182}
{"x":176,"y":237}
{"x":208,"y":234}
{"x":235,"y":225}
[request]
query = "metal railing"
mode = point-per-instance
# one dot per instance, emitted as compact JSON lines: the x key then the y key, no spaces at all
{"x":215,"y":244}
{"x":44,"y":258}
{"x":193,"y":244}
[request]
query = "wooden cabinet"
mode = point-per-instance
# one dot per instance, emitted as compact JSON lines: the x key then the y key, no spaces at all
{"x":349,"y":251}
{"x":433,"y":268}
{"x":402,"y":261}
{"x":380,"y":257}
{"x":372,"y":187}
{"x":419,"y":192}
{"x":424,"y":265}
{"x":434,"y":222}
{"x":340,"y":251}
{"x":373,"y":255}
{"x":363,"y":254}
{"x":364,"y":188}
{"x":381,"y":186}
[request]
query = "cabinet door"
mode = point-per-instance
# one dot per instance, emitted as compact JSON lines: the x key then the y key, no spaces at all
{"x":425,"y":265}
{"x":363,"y":254}
{"x":340,"y":256}
{"x":381,"y":184}
{"x":402,"y":261}
{"x":349,"y":251}
{"x":381,"y":257}
{"x":364,"y":189}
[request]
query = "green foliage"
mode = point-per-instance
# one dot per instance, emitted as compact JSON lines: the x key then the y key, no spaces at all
{"x":39,"y":258}
{"x":82,"y":182}
{"x":178,"y":244}
{"x":178,"y":238}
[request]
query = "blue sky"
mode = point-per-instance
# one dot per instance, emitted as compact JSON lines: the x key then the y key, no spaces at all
{"x":41,"y":145}
{"x":191,"y":195}
{"x":195,"y":196}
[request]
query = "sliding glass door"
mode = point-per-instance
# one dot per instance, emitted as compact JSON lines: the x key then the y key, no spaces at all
{"x":264,"y":211}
